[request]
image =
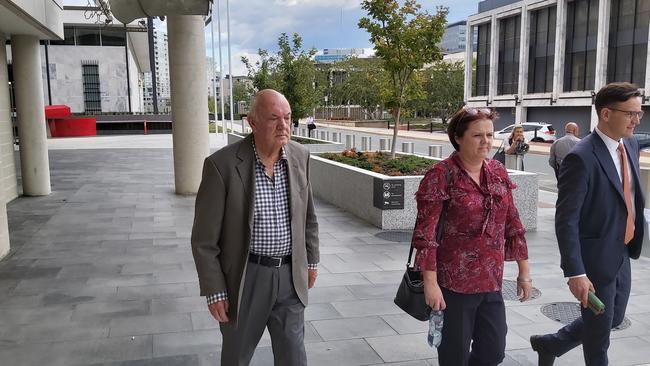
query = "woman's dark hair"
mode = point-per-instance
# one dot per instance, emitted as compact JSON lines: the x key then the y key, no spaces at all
{"x":615,"y":93}
{"x":461,"y":120}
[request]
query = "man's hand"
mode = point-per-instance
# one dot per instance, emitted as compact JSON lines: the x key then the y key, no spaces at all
{"x":311,"y":278}
{"x":219,"y":311}
{"x":580,"y":287}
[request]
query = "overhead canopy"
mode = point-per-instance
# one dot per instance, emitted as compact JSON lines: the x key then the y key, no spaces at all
{"x":128,"y":10}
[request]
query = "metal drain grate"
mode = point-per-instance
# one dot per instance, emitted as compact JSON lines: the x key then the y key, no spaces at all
{"x":509,"y":291}
{"x":395,"y":235}
{"x":566,"y":312}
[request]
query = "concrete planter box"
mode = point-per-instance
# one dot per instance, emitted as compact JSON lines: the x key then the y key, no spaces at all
{"x":318,"y":147}
{"x":352,"y":189}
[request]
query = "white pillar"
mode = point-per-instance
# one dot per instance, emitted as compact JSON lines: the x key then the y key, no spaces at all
{"x":30,"y":110}
{"x":602,"y":44}
{"x":8,"y":183}
{"x":522,"y":82}
{"x":560,"y":45}
{"x":494,"y":58}
{"x":189,"y":96}
{"x":469,"y":60}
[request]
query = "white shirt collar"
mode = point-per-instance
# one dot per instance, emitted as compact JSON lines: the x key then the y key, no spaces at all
{"x":611,"y":144}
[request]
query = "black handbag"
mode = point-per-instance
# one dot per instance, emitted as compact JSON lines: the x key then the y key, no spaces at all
{"x":410,"y":293}
{"x":500,"y":155}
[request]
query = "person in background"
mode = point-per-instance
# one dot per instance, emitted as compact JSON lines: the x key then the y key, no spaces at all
{"x":311,"y":125}
{"x":463,"y":273}
{"x":515,"y":145}
{"x":562,"y":146}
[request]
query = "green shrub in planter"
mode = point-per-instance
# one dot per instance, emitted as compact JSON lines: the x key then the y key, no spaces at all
{"x":380,"y":162}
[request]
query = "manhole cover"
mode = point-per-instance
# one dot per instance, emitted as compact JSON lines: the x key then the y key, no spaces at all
{"x":396,"y":236}
{"x":566,"y":312}
{"x":509,"y":291}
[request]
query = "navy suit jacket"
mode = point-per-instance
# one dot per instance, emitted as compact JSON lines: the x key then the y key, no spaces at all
{"x":590,"y":214}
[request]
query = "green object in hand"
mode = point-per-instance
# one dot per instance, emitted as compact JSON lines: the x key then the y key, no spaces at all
{"x":595,"y":305}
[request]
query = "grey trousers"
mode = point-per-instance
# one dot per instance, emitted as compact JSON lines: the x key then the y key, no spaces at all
{"x":268,"y":300}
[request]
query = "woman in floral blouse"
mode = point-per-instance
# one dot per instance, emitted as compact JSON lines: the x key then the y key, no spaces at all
{"x":463,"y":273}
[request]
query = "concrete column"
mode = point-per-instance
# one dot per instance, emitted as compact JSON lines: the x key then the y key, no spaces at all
{"x":560,"y":46}
{"x":521,"y":113}
{"x":30,"y":109}
{"x":366,"y":143}
{"x":524,"y":44}
{"x":8,"y":183}
{"x":435,"y":151}
{"x":350,"y":141}
{"x":4,"y":231}
{"x":514,"y":162}
{"x":408,"y":147}
{"x":7,"y":168}
{"x":189,"y":93}
{"x":494,"y":58}
{"x":602,"y":44}
{"x":469,"y":60}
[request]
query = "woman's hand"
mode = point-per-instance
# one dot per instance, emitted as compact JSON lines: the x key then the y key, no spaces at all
{"x":524,"y":282}
{"x":524,"y":288}
{"x":432,"y":293}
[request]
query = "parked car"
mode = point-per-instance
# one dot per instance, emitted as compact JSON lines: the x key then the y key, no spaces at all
{"x":533,"y":131}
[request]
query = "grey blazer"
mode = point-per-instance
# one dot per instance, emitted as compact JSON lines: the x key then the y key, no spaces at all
{"x":223,"y":220}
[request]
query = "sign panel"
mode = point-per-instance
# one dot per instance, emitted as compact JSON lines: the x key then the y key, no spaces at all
{"x":388,"y":194}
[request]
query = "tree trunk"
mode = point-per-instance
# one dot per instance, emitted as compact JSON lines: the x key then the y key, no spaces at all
{"x":395,"y":130}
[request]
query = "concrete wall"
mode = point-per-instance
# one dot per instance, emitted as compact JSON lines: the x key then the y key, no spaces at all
{"x":351,"y":189}
{"x":66,"y":77}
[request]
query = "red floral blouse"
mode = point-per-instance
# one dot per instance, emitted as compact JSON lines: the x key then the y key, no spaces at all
{"x":481,"y":229}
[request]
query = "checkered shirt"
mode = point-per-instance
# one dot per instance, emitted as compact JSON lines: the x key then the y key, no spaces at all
{"x":271,"y":234}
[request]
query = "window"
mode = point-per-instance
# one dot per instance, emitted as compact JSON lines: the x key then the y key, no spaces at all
{"x":581,"y":40}
{"x":68,"y":40}
{"x":509,"y":42}
{"x":88,"y":37}
{"x":482,"y":73}
{"x":542,"y":50}
{"x":113,"y":37}
{"x":92,"y":96}
{"x":628,"y":41}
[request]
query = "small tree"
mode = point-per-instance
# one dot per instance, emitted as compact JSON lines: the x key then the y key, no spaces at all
{"x":405,"y":38}
{"x":365,"y":84}
{"x":291,"y":71}
{"x":444,"y":87}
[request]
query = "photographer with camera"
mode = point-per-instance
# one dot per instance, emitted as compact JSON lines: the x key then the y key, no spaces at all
{"x":517,"y":145}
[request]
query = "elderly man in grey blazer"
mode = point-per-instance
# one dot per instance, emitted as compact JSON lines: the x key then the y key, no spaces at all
{"x":255,"y":237}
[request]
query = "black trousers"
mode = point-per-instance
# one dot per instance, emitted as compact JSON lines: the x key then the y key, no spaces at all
{"x":479,"y":319}
{"x":592,"y":331}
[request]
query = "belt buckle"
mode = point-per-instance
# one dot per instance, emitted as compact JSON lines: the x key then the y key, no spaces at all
{"x":279,"y":262}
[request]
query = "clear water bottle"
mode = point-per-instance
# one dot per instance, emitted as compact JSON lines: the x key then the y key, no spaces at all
{"x":436,"y":320}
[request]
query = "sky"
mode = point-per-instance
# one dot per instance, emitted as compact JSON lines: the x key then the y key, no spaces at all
{"x":322,"y":24}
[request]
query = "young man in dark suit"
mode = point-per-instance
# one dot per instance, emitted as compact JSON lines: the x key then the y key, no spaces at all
{"x":599,"y":224}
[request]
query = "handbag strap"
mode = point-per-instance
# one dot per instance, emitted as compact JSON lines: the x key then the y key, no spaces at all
{"x":441,"y":221}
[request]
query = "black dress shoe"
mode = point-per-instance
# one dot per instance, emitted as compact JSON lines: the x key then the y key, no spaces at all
{"x":544,"y":358}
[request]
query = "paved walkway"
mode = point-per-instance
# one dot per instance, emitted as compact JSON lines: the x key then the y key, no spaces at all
{"x":101,"y":273}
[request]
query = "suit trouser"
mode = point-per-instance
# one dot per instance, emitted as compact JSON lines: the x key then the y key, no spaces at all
{"x":480,"y":318}
{"x":592,"y":331}
{"x":267,"y":300}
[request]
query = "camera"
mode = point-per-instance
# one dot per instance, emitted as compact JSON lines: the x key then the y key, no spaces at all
{"x":522,"y":148}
